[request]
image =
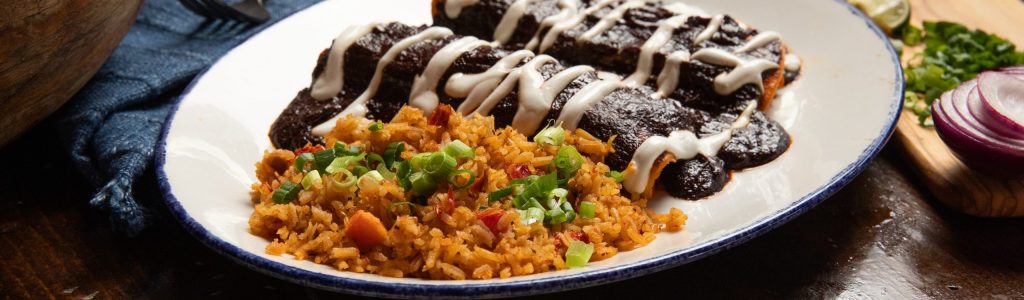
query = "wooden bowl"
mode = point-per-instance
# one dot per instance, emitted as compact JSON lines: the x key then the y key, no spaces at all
{"x":49,"y":49}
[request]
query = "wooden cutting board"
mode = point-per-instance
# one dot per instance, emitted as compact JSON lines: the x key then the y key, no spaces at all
{"x":953,"y":183}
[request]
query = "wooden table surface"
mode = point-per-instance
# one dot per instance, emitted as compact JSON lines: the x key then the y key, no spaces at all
{"x":883,"y":236}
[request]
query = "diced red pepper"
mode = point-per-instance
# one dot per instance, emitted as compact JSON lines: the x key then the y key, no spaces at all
{"x":440,"y":116}
{"x":517,"y":171}
{"x":490,"y":218}
{"x":309,"y":149}
{"x":579,"y":236}
{"x":479,"y":184}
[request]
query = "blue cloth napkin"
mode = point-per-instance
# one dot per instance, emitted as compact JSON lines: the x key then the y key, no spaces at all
{"x":110,"y":128}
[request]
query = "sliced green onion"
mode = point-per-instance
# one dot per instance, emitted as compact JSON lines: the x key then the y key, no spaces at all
{"x":534,"y":203}
{"x":588,"y":209}
{"x":322,"y":159}
{"x":285,"y":193}
{"x":377,"y":126}
{"x":616,"y":175}
{"x":422,"y":183}
{"x":570,"y":214}
{"x":439,"y":165}
{"x":567,"y":162}
{"x":547,"y":183}
{"x":453,"y":179}
{"x":374,"y":157}
{"x":349,"y":179}
{"x":352,"y":151}
{"x":578,"y":254}
{"x":524,"y":180}
{"x":402,"y":172}
{"x":385,"y":172}
{"x":311,"y":178}
{"x":301,"y":160}
{"x":559,"y":193}
{"x":342,"y":163}
{"x":497,"y":195}
{"x":554,"y":216}
{"x":418,"y":161}
{"x":376,"y":176}
{"x":394,"y":204}
{"x":393,"y":153}
{"x":530,"y":215}
{"x":340,"y":149}
{"x":459,"y":150}
{"x":359,"y":171}
{"x":551,"y":135}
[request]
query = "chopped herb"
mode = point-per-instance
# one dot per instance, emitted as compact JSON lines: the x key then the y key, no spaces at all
{"x":952,"y":54}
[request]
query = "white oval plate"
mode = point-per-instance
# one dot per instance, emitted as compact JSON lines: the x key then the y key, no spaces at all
{"x":839,"y":114}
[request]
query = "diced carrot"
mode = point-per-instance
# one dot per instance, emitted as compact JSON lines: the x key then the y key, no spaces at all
{"x":366,"y":229}
{"x":490,"y":218}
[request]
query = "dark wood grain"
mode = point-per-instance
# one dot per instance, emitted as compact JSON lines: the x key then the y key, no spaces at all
{"x":49,"y":49}
{"x":879,"y":237}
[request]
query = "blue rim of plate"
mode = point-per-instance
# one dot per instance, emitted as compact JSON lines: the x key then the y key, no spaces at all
{"x":534,"y":286}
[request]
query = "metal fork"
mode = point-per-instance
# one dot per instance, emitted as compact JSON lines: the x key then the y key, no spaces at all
{"x":251,"y":11}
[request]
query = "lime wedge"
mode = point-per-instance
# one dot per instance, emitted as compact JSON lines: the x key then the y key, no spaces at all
{"x":888,"y":14}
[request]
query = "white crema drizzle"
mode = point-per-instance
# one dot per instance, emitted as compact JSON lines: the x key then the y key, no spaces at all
{"x":658,"y":39}
{"x":610,"y":19}
{"x":424,"y":95}
{"x":682,"y":144}
{"x":744,"y":71}
{"x":567,"y":10}
{"x":713,"y":25}
{"x":358,"y":106}
{"x":332,"y":79}
{"x":509,"y":21}
{"x":570,"y":16}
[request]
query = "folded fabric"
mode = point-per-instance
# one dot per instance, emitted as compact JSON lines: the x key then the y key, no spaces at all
{"x":110,"y":128}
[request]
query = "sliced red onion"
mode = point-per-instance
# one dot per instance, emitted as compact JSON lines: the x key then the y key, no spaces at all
{"x":972,"y":138}
{"x":1003,"y":98}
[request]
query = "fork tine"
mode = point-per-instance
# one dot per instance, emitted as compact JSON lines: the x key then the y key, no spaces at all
{"x":197,"y":8}
{"x":253,"y":10}
{"x":224,"y":11}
